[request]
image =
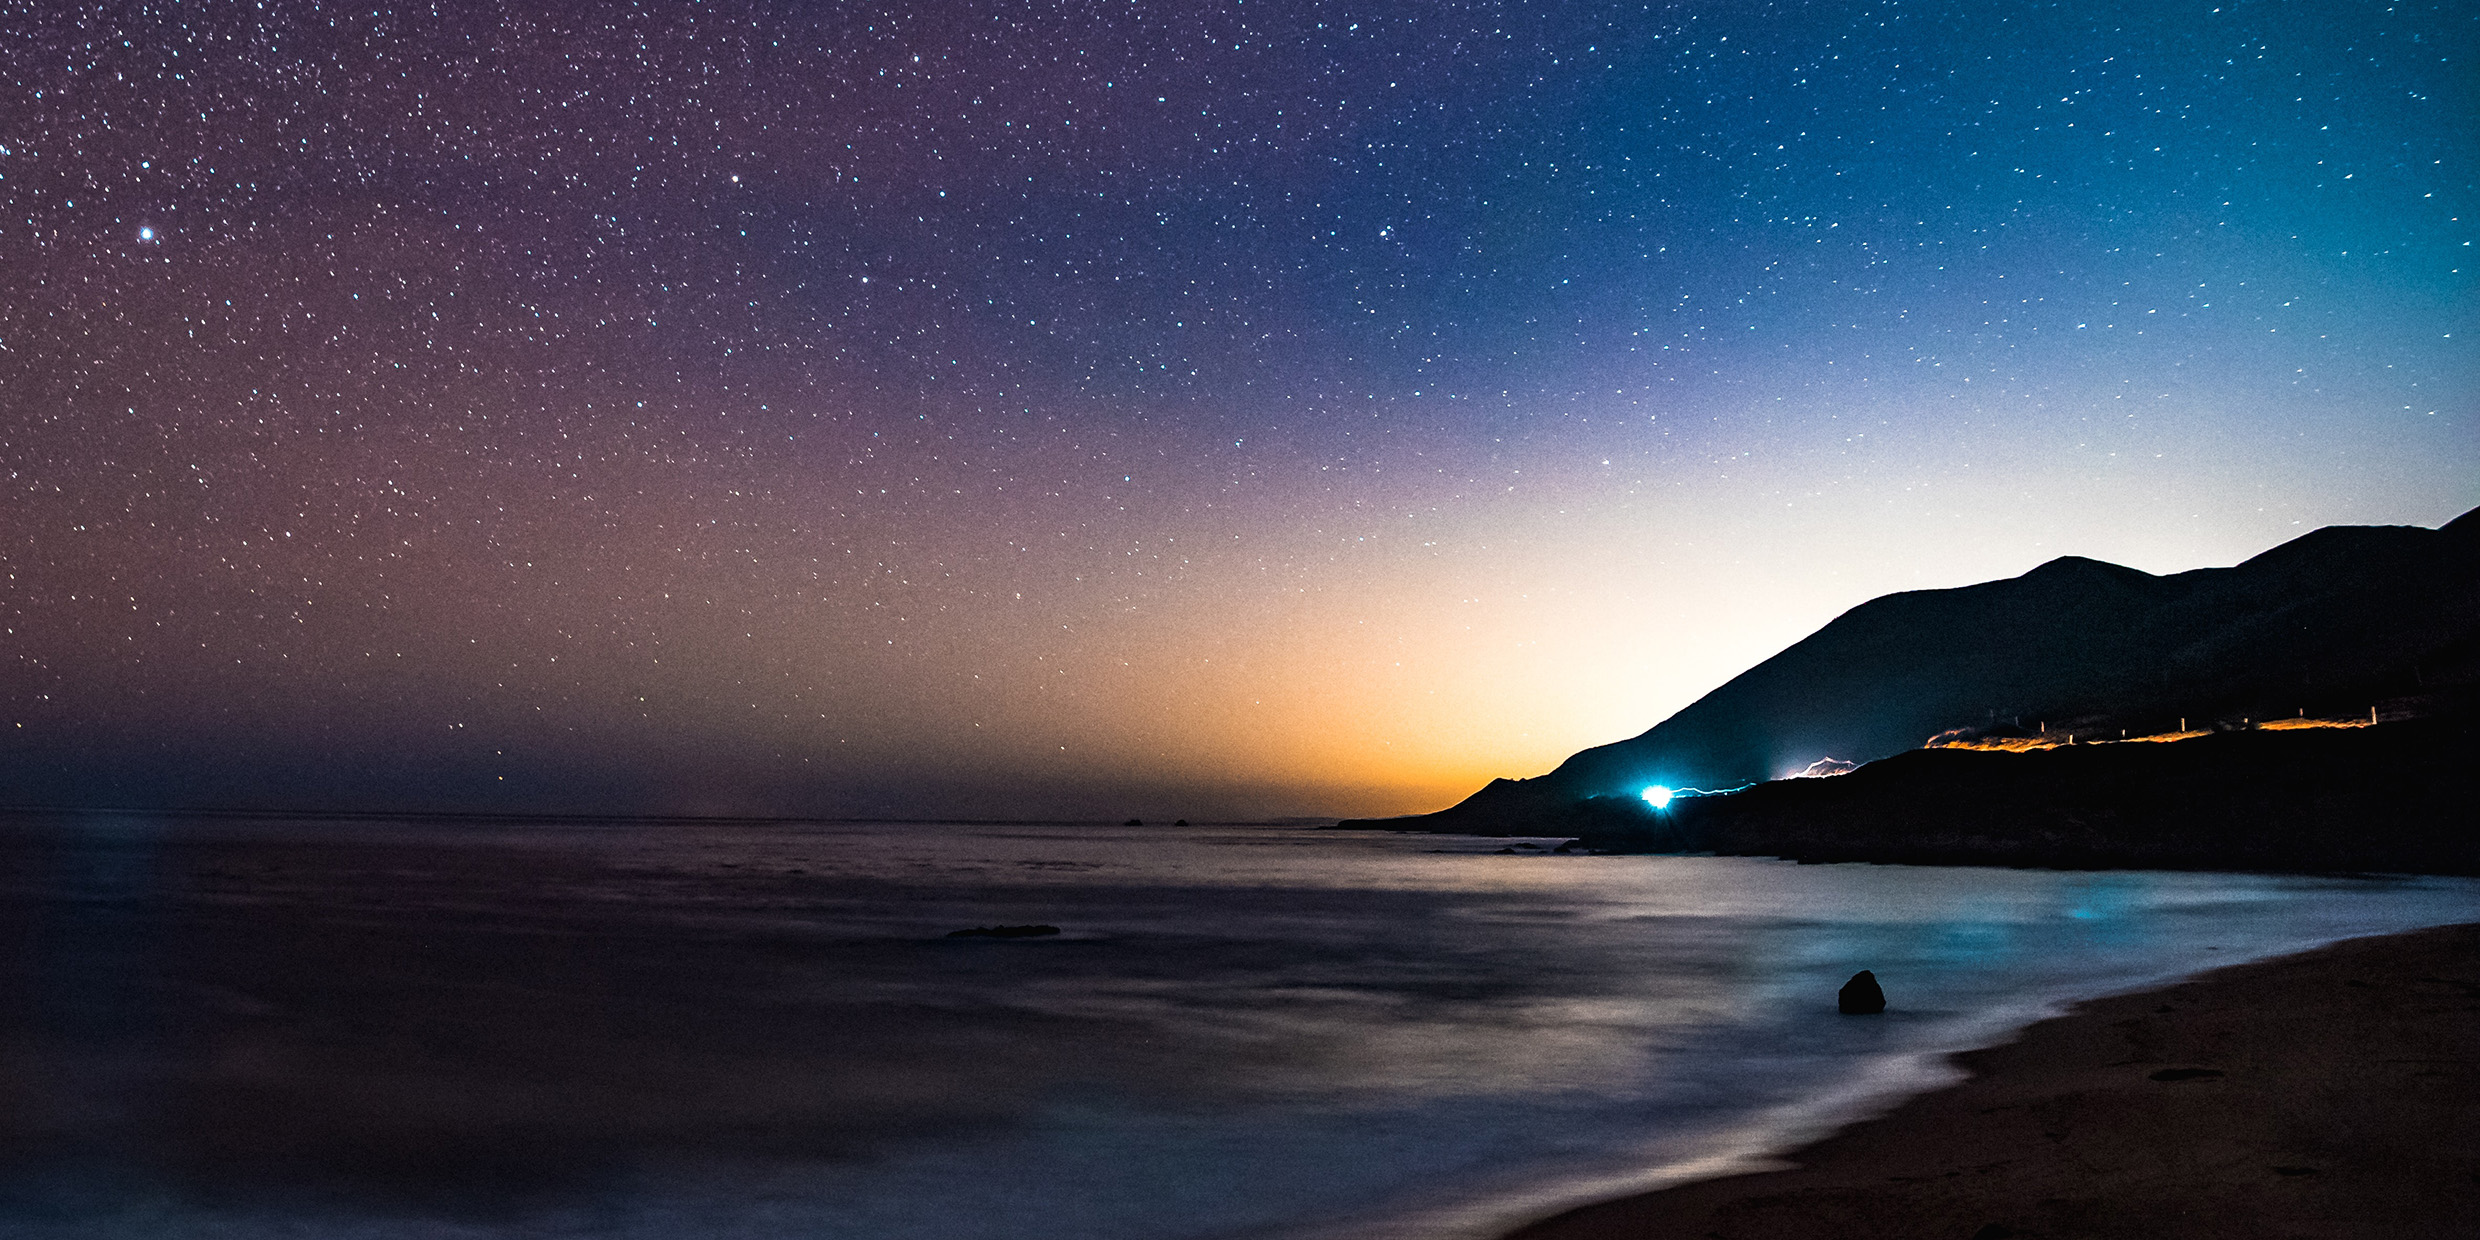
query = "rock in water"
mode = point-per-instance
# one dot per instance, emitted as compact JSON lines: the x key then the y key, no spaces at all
{"x":1860,"y":996}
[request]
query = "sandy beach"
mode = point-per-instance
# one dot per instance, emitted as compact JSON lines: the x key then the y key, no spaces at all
{"x":2332,"y":1093}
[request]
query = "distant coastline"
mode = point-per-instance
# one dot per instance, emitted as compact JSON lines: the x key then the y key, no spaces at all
{"x":295,"y":813}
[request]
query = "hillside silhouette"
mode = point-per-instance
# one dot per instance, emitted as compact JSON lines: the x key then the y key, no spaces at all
{"x":2341,"y":621}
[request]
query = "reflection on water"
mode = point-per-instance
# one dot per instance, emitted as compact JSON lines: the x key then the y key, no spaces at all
{"x":263,"y":1028}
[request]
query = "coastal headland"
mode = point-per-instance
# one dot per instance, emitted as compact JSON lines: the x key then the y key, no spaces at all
{"x":2348,"y":623}
{"x":2335,"y":1093}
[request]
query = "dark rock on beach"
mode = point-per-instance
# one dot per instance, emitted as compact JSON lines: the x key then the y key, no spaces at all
{"x":1861,"y":996}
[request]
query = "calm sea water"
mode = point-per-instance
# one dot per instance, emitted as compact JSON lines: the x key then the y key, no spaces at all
{"x":293,"y":1028}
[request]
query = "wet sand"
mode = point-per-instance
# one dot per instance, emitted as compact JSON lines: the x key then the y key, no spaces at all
{"x":2332,"y":1093}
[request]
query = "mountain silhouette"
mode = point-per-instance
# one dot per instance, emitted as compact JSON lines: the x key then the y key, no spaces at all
{"x":2340,"y":621}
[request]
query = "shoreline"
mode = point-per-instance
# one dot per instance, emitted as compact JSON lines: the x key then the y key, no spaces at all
{"x":2335,"y":1092}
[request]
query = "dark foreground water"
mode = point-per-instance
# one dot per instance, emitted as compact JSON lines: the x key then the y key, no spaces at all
{"x":349,"y":1029}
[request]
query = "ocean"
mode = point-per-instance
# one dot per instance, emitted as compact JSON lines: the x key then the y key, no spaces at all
{"x":292,"y":1027}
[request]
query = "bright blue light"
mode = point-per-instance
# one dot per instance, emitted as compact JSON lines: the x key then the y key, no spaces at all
{"x":1657,"y":796}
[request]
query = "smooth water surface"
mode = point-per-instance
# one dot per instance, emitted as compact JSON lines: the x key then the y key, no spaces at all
{"x":305,"y":1028}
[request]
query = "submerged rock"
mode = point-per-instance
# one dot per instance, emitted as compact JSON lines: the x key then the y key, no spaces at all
{"x":2187,"y":1074}
{"x":1860,"y":996}
{"x":1003,"y":932}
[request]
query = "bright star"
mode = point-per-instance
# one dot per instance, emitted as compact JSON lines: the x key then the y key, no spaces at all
{"x":146,"y":234}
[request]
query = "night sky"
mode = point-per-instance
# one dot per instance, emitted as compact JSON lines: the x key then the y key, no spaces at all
{"x":1102,"y":409}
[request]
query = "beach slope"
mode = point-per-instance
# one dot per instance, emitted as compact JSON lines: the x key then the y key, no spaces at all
{"x":2334,"y":1093}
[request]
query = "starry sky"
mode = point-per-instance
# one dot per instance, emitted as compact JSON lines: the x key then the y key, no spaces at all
{"x":1246,"y":408}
